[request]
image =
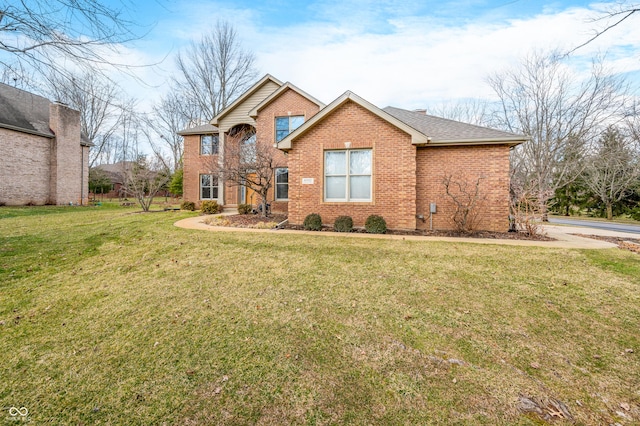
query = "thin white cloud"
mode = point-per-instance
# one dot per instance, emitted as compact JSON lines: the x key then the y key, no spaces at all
{"x":425,"y":59}
{"x":396,"y":58}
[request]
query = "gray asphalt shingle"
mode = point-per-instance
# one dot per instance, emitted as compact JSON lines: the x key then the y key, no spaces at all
{"x":442,"y":129}
{"x":25,"y":111}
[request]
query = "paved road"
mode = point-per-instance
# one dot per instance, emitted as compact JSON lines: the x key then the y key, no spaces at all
{"x":620,"y":227}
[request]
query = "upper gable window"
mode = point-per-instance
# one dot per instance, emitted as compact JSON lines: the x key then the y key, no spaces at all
{"x":286,"y":125}
{"x":208,"y":144}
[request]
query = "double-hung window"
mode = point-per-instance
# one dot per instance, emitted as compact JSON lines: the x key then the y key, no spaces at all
{"x":208,"y":187}
{"x":208,"y":144}
{"x":286,"y":125}
{"x":347,"y":175}
{"x":282,"y":183}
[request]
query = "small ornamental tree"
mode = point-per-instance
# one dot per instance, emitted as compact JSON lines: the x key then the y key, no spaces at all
{"x":467,"y":201}
{"x":248,"y":162}
{"x":143,"y":179}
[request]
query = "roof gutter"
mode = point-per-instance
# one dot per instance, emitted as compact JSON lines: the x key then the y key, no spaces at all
{"x":481,"y":141}
{"x":31,"y":132}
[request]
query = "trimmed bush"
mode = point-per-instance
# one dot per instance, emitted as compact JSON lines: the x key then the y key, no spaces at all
{"x":343,"y":224}
{"x":375,"y":224}
{"x":210,"y":207}
{"x":188,"y":205}
{"x":312,"y":222}
{"x":244,"y":208}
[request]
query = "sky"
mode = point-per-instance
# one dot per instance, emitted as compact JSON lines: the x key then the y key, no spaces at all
{"x":409,"y":54}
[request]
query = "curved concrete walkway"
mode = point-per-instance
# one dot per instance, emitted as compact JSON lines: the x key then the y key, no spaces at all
{"x":562,"y":234}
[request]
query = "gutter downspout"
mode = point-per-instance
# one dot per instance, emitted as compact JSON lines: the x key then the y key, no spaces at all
{"x":82,"y":176}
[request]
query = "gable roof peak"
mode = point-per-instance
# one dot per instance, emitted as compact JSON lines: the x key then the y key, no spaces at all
{"x":286,"y":86}
{"x":245,"y":95}
{"x":417,"y":137}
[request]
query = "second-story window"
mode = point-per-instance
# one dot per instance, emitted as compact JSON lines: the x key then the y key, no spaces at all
{"x":208,"y":144}
{"x":286,"y":125}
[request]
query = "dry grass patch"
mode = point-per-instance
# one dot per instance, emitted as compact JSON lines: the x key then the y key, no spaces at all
{"x":110,"y":317}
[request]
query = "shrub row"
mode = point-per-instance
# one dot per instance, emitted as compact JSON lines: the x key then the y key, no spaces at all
{"x":210,"y":207}
{"x":244,"y":208}
{"x":188,"y":205}
{"x":374,"y":224}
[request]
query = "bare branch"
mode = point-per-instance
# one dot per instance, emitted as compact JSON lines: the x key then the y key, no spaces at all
{"x":214,"y":71}
{"x":626,"y":13}
{"x":40,"y":35}
{"x":467,"y":199}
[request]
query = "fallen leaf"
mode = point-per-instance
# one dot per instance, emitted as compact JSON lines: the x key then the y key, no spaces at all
{"x":625,"y":406}
{"x":535,"y":365}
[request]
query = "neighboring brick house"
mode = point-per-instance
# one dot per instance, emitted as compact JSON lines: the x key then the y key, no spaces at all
{"x":353,"y":158}
{"x":44,"y":159}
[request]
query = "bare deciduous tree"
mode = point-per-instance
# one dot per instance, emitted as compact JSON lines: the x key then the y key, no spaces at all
{"x":215,"y":70}
{"x":613,"y":168}
{"x":144,"y":179}
{"x":97,"y":100}
{"x":472,"y":111}
{"x":170,"y":115}
{"x":560,"y":113}
{"x":248,"y":162}
{"x":42,"y":34}
{"x":467,"y":201}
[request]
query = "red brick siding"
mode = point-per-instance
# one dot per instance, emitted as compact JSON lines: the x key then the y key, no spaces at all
{"x":393,"y":174}
{"x":289,"y":103}
{"x":464,"y":163}
{"x":194,"y":165}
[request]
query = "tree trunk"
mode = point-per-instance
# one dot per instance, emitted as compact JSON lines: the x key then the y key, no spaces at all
{"x":544,"y":212}
{"x":263,"y":201}
{"x":609,"y":205}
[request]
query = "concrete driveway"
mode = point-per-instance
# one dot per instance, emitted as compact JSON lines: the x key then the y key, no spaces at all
{"x":562,"y":234}
{"x":609,"y":226}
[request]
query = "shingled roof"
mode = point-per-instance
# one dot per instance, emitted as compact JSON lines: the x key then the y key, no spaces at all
{"x":444,"y":131}
{"x":203,"y":129}
{"x":24,"y":112}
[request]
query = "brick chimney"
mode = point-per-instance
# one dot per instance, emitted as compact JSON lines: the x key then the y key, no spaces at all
{"x":69,"y":170}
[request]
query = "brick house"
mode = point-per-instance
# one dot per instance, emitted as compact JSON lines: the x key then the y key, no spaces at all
{"x":44,"y":159}
{"x":353,"y":158}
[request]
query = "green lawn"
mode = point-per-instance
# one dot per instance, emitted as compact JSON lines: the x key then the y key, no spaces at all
{"x":115,"y":317}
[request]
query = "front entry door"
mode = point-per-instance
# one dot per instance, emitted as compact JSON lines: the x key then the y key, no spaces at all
{"x":248,"y":195}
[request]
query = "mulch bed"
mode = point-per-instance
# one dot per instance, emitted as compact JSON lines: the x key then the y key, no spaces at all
{"x":631,"y":244}
{"x":246,"y":220}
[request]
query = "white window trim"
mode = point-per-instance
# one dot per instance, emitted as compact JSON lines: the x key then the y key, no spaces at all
{"x":348,"y":198}
{"x":288,"y":117}
{"x":276,"y":184}
{"x":212,"y":144}
{"x":213,"y":177}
